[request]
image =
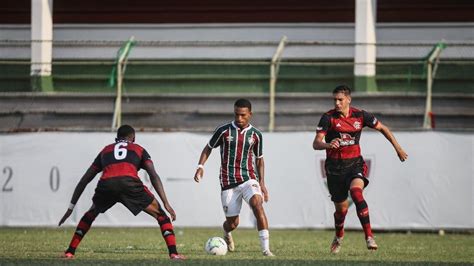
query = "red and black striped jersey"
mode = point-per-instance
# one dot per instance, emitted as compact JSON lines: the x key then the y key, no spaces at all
{"x":238,"y":148}
{"x":348,"y":129}
{"x":121,"y":159}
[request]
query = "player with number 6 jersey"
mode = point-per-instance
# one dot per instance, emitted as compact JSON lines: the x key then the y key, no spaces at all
{"x":119,"y":163}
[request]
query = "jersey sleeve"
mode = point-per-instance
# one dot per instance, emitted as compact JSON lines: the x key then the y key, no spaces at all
{"x":324,"y":124}
{"x":369,"y":119}
{"x":145,"y":158}
{"x":97,"y":164}
{"x":258,"y":146}
{"x":216,"y":138}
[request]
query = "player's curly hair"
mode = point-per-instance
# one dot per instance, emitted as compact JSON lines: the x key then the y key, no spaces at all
{"x":342,"y":89}
{"x":243,"y":103}
{"x":125,"y":131}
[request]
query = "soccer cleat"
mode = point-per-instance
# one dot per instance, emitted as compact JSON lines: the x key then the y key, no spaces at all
{"x":336,"y":245}
{"x":268,"y":253}
{"x":67,"y":255}
{"x":177,"y":257}
{"x":230,"y":242}
{"x":371,"y":243}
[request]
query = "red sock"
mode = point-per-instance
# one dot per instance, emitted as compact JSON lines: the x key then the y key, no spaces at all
{"x":339,"y":218}
{"x":362,"y":210}
{"x":81,"y":230}
{"x":168,"y":234}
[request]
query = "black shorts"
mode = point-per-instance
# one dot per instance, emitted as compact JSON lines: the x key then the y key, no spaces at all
{"x":340,"y":174}
{"x":127,"y":190}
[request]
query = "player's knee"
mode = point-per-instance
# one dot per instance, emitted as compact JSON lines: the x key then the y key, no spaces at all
{"x":257,"y":208}
{"x":90,"y":216}
{"x":340,"y":213}
{"x":356,"y":194}
{"x":232,"y":223}
{"x":256,"y":202}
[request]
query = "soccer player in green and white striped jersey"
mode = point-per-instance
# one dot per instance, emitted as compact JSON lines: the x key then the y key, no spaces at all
{"x":242,"y":172}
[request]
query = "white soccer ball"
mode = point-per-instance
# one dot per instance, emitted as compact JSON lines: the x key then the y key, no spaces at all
{"x":216,"y":246}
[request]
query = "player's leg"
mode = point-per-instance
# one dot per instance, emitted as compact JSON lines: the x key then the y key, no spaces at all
{"x":82,"y":228}
{"x":357,"y":187}
{"x":137,"y":197}
{"x":253,"y":196}
{"x":339,"y":218}
{"x":231,"y":200}
{"x":230,"y":224}
{"x":103,"y":199}
{"x":166,"y":227}
{"x":338,"y":189}
{"x":256,"y":203}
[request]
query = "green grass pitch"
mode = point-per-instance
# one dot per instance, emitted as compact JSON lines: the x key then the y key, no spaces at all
{"x":145,"y":246}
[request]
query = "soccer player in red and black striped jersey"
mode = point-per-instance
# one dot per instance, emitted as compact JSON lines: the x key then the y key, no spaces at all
{"x":338,"y":133}
{"x":119,"y":163}
{"x":241,"y":173}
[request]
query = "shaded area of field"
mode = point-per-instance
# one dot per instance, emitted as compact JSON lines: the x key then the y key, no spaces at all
{"x":144,"y":246}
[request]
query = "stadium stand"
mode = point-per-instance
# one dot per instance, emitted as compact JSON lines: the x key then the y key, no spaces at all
{"x":215,"y":52}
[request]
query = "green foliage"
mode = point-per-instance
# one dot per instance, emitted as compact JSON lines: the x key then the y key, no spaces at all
{"x":145,"y":246}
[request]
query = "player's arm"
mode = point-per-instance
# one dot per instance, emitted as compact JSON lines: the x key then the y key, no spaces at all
{"x":158,"y":186}
{"x":260,"y":163}
{"x":202,"y":160}
{"x":390,"y":137}
{"x":85,"y":180}
{"x":320,"y":144}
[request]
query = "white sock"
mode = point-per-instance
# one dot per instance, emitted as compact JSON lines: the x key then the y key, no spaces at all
{"x":264,"y":239}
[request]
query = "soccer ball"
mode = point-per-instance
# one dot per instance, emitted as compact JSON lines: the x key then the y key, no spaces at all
{"x":216,"y":246}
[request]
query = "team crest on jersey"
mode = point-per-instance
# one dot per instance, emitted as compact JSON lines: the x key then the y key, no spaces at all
{"x":250,"y":140}
{"x":229,"y":138}
{"x":357,"y":125}
{"x":346,"y":139}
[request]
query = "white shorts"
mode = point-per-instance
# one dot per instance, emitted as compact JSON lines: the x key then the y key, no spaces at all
{"x":232,"y":198}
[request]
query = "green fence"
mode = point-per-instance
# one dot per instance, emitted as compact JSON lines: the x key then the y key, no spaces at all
{"x":222,"y":76}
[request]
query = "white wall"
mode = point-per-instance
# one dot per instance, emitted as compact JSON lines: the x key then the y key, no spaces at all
{"x":433,"y":189}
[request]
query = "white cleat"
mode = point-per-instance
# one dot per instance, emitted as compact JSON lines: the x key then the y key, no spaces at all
{"x":268,"y":253}
{"x":336,"y":245}
{"x":371,"y":245}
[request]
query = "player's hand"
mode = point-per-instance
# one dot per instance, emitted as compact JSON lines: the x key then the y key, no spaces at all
{"x":264,"y":193}
{"x":170,"y":211}
{"x":402,"y":155}
{"x":65,"y":216}
{"x":198,"y":175}
{"x":335,"y":143}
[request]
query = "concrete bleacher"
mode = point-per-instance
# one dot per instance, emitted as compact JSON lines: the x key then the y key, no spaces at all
{"x":187,"y":76}
{"x":203,"y":112}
